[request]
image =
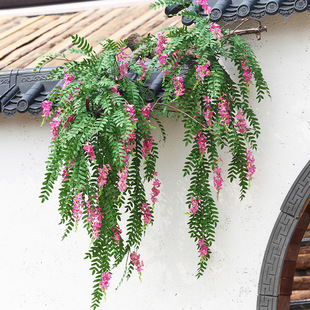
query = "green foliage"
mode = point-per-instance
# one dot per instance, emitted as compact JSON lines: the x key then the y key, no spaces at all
{"x":101,"y":124}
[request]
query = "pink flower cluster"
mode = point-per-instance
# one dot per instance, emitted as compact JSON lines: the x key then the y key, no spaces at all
{"x":103,"y":175}
{"x":155,"y":189}
{"x":161,"y":43}
{"x":88,"y":148}
{"x":203,"y":251}
{"x":55,"y":125}
{"x":94,"y":219}
{"x":147,"y":216}
{"x":142,"y":69}
{"x":217,"y":178}
{"x":77,"y":206}
{"x":247,"y":73}
{"x":202,"y":70}
{"x":250,"y":164}
{"x":178,"y":85}
{"x":67,"y":77}
{"x":47,"y":108}
{"x":223,"y":110}
{"x":65,"y":171}
{"x":241,"y":123}
{"x":208,"y":113}
{"x":130,"y":112}
{"x":216,"y":30}
{"x":194,"y":206}
{"x":146,"y":111}
{"x":123,"y":64}
{"x":128,"y":145}
{"x":117,"y":234}
{"x":201,"y":140}
{"x":205,"y":6}
{"x":135,"y":258}
{"x":147,"y":147}
{"x":122,"y":183}
{"x":105,"y":277}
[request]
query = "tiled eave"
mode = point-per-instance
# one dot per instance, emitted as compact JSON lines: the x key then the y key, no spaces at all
{"x":24,"y":91}
{"x":231,"y":10}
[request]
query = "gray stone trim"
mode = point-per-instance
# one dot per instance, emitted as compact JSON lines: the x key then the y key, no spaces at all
{"x":279,"y":240}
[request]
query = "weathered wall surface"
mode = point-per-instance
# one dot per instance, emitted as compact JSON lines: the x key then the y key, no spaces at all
{"x":39,"y":271}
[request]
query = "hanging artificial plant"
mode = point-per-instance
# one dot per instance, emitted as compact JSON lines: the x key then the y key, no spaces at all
{"x":103,"y":149}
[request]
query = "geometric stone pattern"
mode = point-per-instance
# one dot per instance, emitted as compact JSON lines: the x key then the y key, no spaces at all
{"x":279,"y":240}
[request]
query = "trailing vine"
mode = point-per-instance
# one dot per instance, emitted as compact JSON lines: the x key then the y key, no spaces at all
{"x":103,"y":149}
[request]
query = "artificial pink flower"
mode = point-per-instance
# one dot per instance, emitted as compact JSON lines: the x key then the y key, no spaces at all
{"x":178,"y":85}
{"x":216,"y":30}
{"x":130,"y":112}
{"x":104,"y":284}
{"x":103,"y":175}
{"x":135,"y":258}
{"x":146,"y":111}
{"x":202,"y":70}
{"x":47,"y":106}
{"x":194,"y":206}
{"x":123,"y":175}
{"x":155,"y":188}
{"x":142,"y":69}
{"x":117,"y":231}
{"x":94,"y":219}
{"x":250,"y":165}
{"x":241,"y":123}
{"x":147,"y":216}
{"x":223,"y":106}
{"x":147,"y":147}
{"x":205,"y":6}
{"x":217,"y":178}
{"x":203,"y":251}
{"x":201,"y":140}
{"x":77,"y":206}
{"x":88,"y":148}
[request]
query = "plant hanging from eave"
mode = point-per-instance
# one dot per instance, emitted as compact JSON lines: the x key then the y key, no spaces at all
{"x":103,"y":149}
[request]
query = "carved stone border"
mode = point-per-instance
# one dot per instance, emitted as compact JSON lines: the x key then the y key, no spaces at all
{"x":291,"y":209}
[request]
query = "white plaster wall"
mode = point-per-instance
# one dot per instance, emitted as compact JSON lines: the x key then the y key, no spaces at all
{"x":39,"y":271}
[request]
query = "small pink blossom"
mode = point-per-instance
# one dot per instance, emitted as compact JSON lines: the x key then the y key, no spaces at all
{"x":202,"y":70}
{"x":117,"y":232}
{"x":147,"y":216}
{"x":162,"y":59}
{"x":194,"y":206}
{"x":103,"y":175}
{"x":69,"y":120}
{"x":216,"y":30}
{"x":161,"y":43}
{"x":77,"y":206}
{"x":65,"y":171}
{"x":142,"y":70}
{"x":121,"y":56}
{"x":205,"y":6}
{"x":122,"y":174}
{"x":104,"y":284}
{"x":155,"y":188}
{"x":135,"y":258}
{"x":67,"y":77}
{"x":241,"y":123}
{"x":208,"y":115}
{"x":178,"y":85}
{"x":201,"y":140}
{"x":123,"y":69}
{"x":247,"y":73}
{"x":217,"y":178}
{"x":147,"y":147}
{"x":55,"y":125}
{"x":130,"y":112}
{"x":94,"y":219}
{"x":146,"y":111}
{"x":88,"y":148}
{"x":203,"y":251}
{"x":250,"y":165}
{"x":47,"y":106}
{"x":223,"y":106}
